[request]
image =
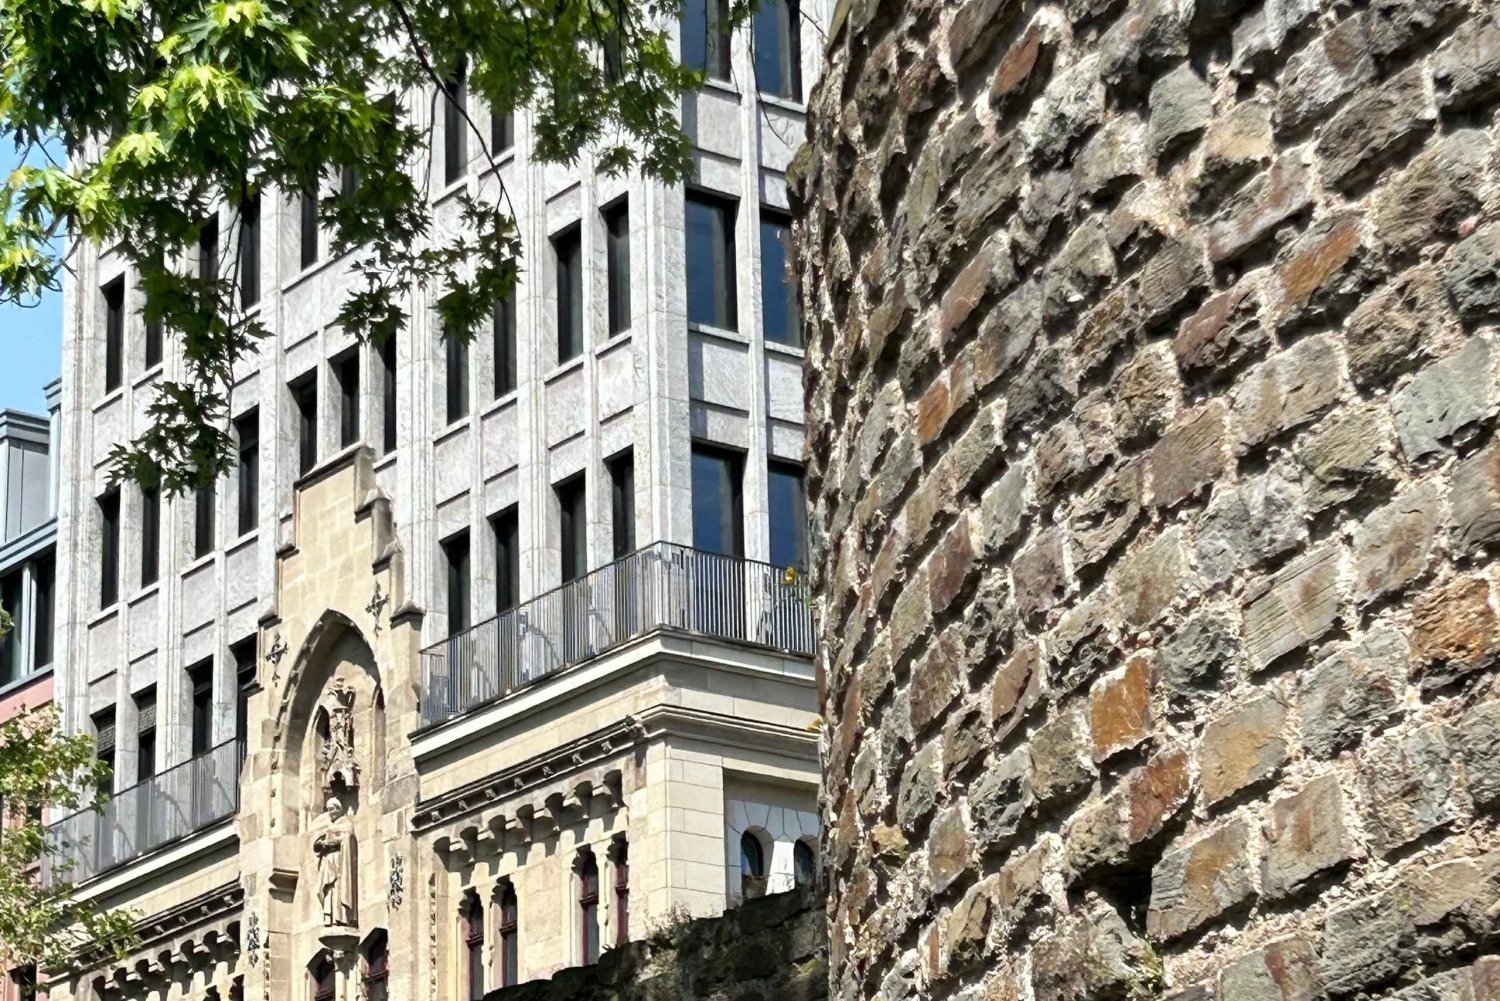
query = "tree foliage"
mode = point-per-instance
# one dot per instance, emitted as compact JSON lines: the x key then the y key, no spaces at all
{"x":165,"y":109}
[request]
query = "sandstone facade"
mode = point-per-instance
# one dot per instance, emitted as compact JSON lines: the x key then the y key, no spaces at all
{"x":1151,"y":403}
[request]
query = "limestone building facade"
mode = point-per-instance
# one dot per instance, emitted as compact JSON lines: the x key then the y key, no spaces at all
{"x":481,"y":661}
{"x":1158,"y":586}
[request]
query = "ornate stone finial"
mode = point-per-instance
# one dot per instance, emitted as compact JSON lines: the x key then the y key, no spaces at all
{"x":252,"y":938}
{"x":396,"y":891}
{"x":377,"y":604}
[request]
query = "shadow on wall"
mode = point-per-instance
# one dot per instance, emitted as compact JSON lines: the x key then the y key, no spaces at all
{"x":773,"y":947}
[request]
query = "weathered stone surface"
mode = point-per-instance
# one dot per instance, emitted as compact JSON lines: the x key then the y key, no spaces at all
{"x":1306,"y":835}
{"x":947,"y":849}
{"x":1000,"y":798}
{"x":1431,"y":197}
{"x":1225,"y":331}
{"x":1467,"y":66}
{"x":1155,"y":793}
{"x":1397,"y":24}
{"x":1191,"y":454}
{"x":1288,"y":389}
{"x":1181,"y":105}
{"x":1478,"y":740}
{"x":1151,"y":577}
{"x":936,"y":679}
{"x":1095,"y":836}
{"x":917,"y":794}
{"x":1040,"y":574}
{"x":1081,"y":268}
{"x":969,"y":924}
{"x":1296,"y":606}
{"x":1197,"y":882}
{"x":1390,"y":331}
{"x":1001,"y":509}
{"x":1285,"y":970}
{"x":1254,"y":521}
{"x":1266,"y":202}
{"x":1323,"y":272}
{"x":1107,"y":514}
{"x":1364,"y":944}
{"x":1348,"y":454}
{"x":1328,"y":70}
{"x":1454,"y":629}
{"x":1373,"y":126}
{"x":1237,"y":143}
{"x":1393,"y":547}
{"x":1242,"y":747}
{"x":1408,"y":785}
{"x":1451,"y":985}
{"x":1472,"y":276}
{"x":1475,"y":500}
{"x":1059,"y":758}
{"x":1146,"y":392}
{"x":1351,"y":693}
{"x":1199,"y":658}
{"x":1120,"y":709}
{"x":1017,"y":685}
{"x":1093,"y":953}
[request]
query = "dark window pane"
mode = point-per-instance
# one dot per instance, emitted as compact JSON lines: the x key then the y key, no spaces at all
{"x":788,"y":516}
{"x":617,"y":235}
{"x":309,"y":235}
{"x":203,"y":520}
{"x":710,"y":262}
{"x":569,"y":250}
{"x":348,"y":182}
{"x":247,"y":433}
{"x":109,"y":548}
{"x":780,"y":315}
{"x":104,"y":741}
{"x":455,"y":129}
{"x":510,"y":964}
{"x":150,"y":534}
{"x":507,"y":528}
{"x":456,"y":350}
{"x":153,"y":342}
{"x":456,"y":556}
{"x":249,"y":251}
{"x":145,"y":736}
{"x":346,"y":371}
{"x":718,"y":518}
{"x":201,"y":685}
{"x":502,"y":132}
{"x":305,"y":400}
{"x":804,"y":864}
{"x":44,"y":577}
{"x":588,"y":906}
{"x":474,"y":946}
{"x":504,"y":327}
{"x":574,"y":529}
{"x":114,"y":333}
{"x":621,"y":857}
{"x":243,"y":654}
{"x":12,"y":592}
{"x":778,"y":49}
{"x":705,"y":37}
{"x":622,"y":503}
{"x":208,"y":261}
{"x":388,"y":394}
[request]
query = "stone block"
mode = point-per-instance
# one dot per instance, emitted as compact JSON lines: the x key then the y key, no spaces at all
{"x":1021,"y":886}
{"x":1156,"y":792}
{"x":1094,"y":836}
{"x":1060,"y":457}
{"x":1151,"y":577}
{"x":1296,"y":606}
{"x":1120,"y":709}
{"x":1478,"y":739}
{"x":1001,"y":510}
{"x":1106,"y":514}
{"x":936,"y":680}
{"x":948,"y":849}
{"x":1392,"y":330}
{"x":1428,"y":200}
{"x":1409,"y":786}
{"x":1466,"y":67}
{"x":1352,"y":692}
{"x":1452,"y":902}
{"x":917,"y":794}
{"x":1040,"y":574}
{"x":1252,"y":215}
{"x":1242,"y":747}
{"x":1237,"y":143}
{"x":950,"y":566}
{"x":1329,"y":69}
{"x":1092,"y":953}
{"x":968,"y":925}
{"x":1364,"y":945}
{"x":1198,"y":882}
{"x":1059,"y":757}
{"x":1084,"y":643}
{"x":1171,"y":282}
{"x":999,"y":799}
{"x":1454,"y":629}
{"x":1349,"y":453}
{"x":1392,"y":547}
{"x":1472,"y":275}
{"x":1450,"y":985}
{"x":1146,"y":393}
{"x":1249,"y":523}
{"x":1288,"y":389}
{"x":1181,"y":105}
{"x":1307,"y":834}
{"x":1396,"y":25}
{"x":1225,"y":331}
{"x":1474,"y":522}
{"x":1198,"y":658}
{"x":1112,"y":157}
{"x":1083,"y":266}
{"x":1190,"y":455}
{"x":1017,"y":684}
{"x":1285,"y":970}
{"x":1373,"y":127}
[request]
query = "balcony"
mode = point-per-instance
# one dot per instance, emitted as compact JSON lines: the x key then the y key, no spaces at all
{"x":149,"y":815}
{"x":660,"y":587}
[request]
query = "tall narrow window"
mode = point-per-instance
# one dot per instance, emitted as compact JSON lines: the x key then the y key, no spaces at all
{"x":504,"y":328}
{"x":152,"y":346}
{"x":200,"y":678}
{"x":308,"y":211}
{"x":243,"y":654}
{"x":305,"y":401}
{"x":788,"y":516}
{"x":150,"y":534}
{"x":323,"y":980}
{"x":781,"y":317}
{"x":778,"y":49}
{"x":145,"y":734}
{"x":455,"y":134}
{"x":388,"y":395}
{"x":346,"y":371}
{"x":710,"y":261}
{"x":588,"y":907}
{"x":456,"y":556}
{"x":502,"y":131}
{"x":617,"y":237}
{"x":620,"y":855}
{"x":12,"y":588}
{"x":456,"y":349}
{"x":752,"y":866}
{"x":574,"y":529}
{"x":622,"y":503}
{"x":804,"y":864}
{"x":104,"y":746}
{"x":204,"y":499}
{"x":208,"y":261}
{"x":44,"y":577}
{"x":249,"y":251}
{"x":247,"y":470}
{"x":568,"y":247}
{"x":718,"y":501}
{"x":510,"y":956}
{"x":25,"y":981}
{"x":109,"y":548}
{"x":473,"y":927}
{"x":377,"y":968}
{"x":348,"y":182}
{"x":507,"y":528}
{"x":705,"y":37}
{"x":114,"y":333}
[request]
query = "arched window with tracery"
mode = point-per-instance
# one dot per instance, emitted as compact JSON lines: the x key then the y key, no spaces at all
{"x":510,"y":940}
{"x":588,"y":906}
{"x":620,"y":855}
{"x":752,"y":866}
{"x":804,"y":864}
{"x":473,"y":932}
{"x":377,"y":968}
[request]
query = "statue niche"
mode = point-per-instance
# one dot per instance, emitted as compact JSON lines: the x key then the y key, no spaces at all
{"x":337,"y":766}
{"x":336,"y":849}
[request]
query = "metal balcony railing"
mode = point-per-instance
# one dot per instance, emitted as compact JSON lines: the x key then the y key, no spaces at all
{"x":149,"y":815}
{"x":663,"y":586}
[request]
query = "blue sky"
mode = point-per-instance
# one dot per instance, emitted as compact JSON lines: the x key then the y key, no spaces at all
{"x":30,"y":337}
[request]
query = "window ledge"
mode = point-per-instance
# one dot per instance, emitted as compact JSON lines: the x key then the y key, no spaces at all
{"x":612,"y":343}
{"x":776,"y":347}
{"x":242,"y":541}
{"x":500,"y":403}
{"x":308,"y":273}
{"x":451,"y":431}
{"x":147,"y":591}
{"x":197,"y":564}
{"x":721,"y":333}
{"x":385,"y":461}
{"x":563,"y":370}
{"x":104,"y":614}
{"x":723,"y":86}
{"x":784,"y":103}
{"x":147,"y":376}
{"x":108,"y":398}
{"x":25,"y":680}
{"x":451,"y":188}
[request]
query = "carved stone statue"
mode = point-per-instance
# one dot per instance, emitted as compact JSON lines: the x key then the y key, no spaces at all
{"x":333,"y":842}
{"x":336,"y":756}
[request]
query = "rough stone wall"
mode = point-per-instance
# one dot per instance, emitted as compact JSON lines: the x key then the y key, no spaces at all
{"x":773,"y":948}
{"x":1152,"y":392}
